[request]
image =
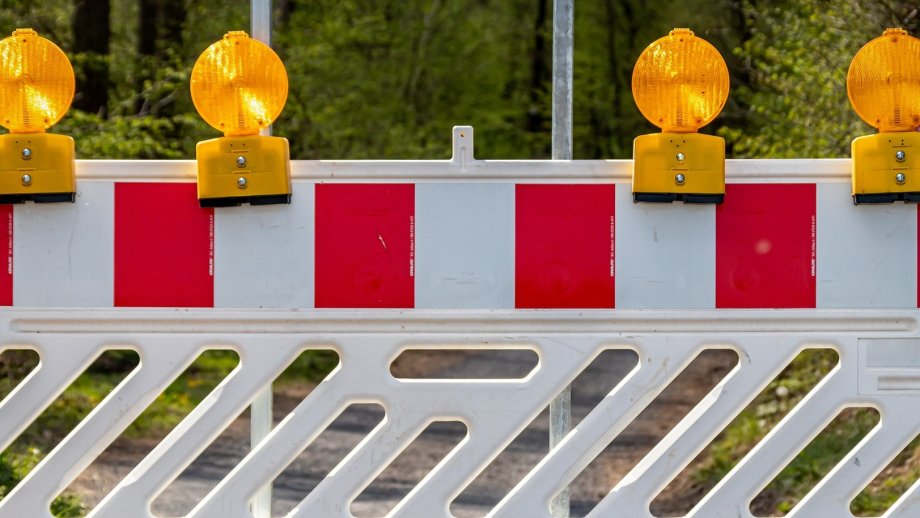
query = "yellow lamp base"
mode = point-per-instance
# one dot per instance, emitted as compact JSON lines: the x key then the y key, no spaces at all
{"x":886,"y":168}
{"x":687,"y":167}
{"x":37,"y":167}
{"x":236,"y":170}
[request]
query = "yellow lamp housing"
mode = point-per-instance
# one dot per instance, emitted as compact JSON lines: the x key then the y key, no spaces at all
{"x":883,"y":84}
{"x":680,"y":84}
{"x":239,"y":86}
{"x":36,"y":88}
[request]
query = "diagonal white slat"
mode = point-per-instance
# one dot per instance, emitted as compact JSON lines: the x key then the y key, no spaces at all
{"x":757,"y":366}
{"x":493,"y":426}
{"x":54,"y":373}
{"x":102,"y":426}
{"x":834,"y":493}
{"x":134,"y":495}
{"x":484,"y":398}
{"x":297,"y":431}
{"x":608,"y":419}
{"x":333,"y":496}
{"x":732,"y":496}
{"x":908,"y":505}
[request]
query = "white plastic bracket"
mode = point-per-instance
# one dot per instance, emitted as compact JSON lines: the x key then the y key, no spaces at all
{"x":462,"y":146}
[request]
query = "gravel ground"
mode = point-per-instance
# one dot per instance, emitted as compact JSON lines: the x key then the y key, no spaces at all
{"x":398,"y":479}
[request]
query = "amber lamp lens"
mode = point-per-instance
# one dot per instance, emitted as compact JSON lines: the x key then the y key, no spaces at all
{"x":883,"y":82}
{"x":36,"y":82}
{"x":239,"y":85}
{"x":680,"y":82}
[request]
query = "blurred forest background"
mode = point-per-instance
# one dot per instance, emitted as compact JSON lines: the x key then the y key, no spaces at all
{"x":386,"y":79}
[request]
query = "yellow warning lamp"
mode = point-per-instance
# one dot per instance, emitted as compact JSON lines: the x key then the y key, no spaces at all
{"x":239,"y":87}
{"x":36,"y":88}
{"x":680,"y":83}
{"x":883,"y":85}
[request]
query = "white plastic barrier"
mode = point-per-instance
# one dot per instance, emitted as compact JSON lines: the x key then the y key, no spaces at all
{"x":458,"y":253}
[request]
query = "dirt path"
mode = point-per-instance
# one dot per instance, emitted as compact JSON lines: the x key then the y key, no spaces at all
{"x":396,"y":481}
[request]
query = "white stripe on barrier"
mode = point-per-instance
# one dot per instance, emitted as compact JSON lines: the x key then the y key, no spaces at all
{"x":665,"y":254}
{"x":63,"y":253}
{"x":867,"y":254}
{"x":464,"y":239}
{"x":263,"y":255}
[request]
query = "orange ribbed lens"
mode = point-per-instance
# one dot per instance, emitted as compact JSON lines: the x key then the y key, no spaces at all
{"x":680,"y":82}
{"x":883,"y":82}
{"x":36,"y":82}
{"x":239,"y":85}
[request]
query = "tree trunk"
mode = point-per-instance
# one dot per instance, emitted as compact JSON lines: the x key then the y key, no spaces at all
{"x":159,"y":44}
{"x":146,"y":48}
{"x":91,"y":30}
{"x":284,"y":12}
{"x":540,"y":71}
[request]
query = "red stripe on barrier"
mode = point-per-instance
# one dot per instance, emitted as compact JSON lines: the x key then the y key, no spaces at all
{"x":564,"y":246}
{"x":365,"y":246}
{"x":164,"y":246}
{"x":6,"y":249}
{"x":766,"y":252}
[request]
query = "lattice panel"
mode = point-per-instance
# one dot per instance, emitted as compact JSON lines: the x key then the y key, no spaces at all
{"x":879,"y":368}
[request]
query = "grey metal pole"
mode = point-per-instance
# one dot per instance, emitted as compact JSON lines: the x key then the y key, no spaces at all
{"x":563,"y":44}
{"x":260,"y":413}
{"x":261,"y":20}
{"x":560,"y":409}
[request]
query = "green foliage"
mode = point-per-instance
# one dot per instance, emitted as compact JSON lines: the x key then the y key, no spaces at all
{"x":383,"y":79}
{"x":311,"y":366}
{"x":52,"y":20}
{"x":894,"y":482}
{"x":876,"y":503}
{"x":204,"y":374}
{"x":15,"y":466}
{"x":389,"y":79}
{"x":138,"y":137}
{"x":789,"y":114}
{"x":184,"y":394}
{"x":609,"y":36}
{"x":791,"y":80}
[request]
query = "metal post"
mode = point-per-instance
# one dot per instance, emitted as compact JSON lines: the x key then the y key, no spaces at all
{"x":563,"y":44}
{"x":560,"y":409}
{"x":261,"y":20}
{"x":260,"y":413}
